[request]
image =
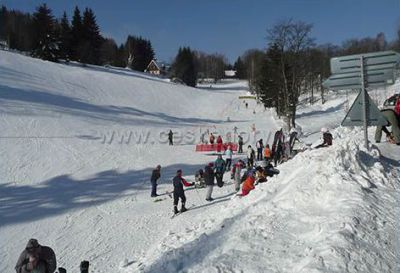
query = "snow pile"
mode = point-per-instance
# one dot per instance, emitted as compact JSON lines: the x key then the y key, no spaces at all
{"x":330,"y":210}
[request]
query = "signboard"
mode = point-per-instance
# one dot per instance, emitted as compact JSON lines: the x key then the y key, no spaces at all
{"x":355,"y":115}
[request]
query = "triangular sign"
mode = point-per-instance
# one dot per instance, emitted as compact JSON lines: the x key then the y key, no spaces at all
{"x":355,"y":115}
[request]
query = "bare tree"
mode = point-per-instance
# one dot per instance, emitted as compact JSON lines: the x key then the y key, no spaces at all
{"x":293,"y":41}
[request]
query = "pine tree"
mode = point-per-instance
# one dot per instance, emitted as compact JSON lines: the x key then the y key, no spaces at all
{"x":65,"y":37}
{"x":76,"y":33}
{"x":45,"y":44}
{"x":139,"y":53}
{"x":184,"y":66}
{"x":240,"y":69}
{"x":89,"y":47}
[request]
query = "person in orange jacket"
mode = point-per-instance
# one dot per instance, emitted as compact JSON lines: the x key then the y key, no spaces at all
{"x":267,"y":153}
{"x":248,"y":184}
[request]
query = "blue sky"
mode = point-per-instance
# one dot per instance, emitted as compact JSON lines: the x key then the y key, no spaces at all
{"x":228,"y":26}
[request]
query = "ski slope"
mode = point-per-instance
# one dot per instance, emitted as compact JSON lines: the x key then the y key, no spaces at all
{"x":78,"y":145}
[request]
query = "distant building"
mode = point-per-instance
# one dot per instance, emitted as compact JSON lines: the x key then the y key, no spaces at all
{"x":157,"y":68}
{"x":230,"y":73}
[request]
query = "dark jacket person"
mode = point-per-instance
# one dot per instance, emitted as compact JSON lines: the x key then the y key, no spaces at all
{"x":36,"y":257}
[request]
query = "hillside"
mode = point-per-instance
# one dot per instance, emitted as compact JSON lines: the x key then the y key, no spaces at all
{"x":76,"y":166}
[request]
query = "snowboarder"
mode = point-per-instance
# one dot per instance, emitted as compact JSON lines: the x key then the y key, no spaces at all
{"x":179,"y":192}
{"x":219,"y":144}
{"x":327,"y":138}
{"x":36,"y":259}
{"x":219,"y":167}
{"x":155,"y":175}
{"x":228,"y":158}
{"x":248,"y":184}
{"x":236,"y":171}
{"x":170,"y":137}
{"x":212,"y":138}
{"x":260,"y":147}
{"x":250,"y":156}
{"x":267,"y":153}
{"x":240,"y":144}
{"x":393,"y":121}
{"x":209,"y":180}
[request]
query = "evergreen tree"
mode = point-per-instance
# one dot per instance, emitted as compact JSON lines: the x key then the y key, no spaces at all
{"x":184,"y":66}
{"x":108,"y":52}
{"x":65,"y":37}
{"x":76,"y":33}
{"x":240,"y":69}
{"x":45,"y":44}
{"x":139,"y":53}
{"x":89,"y":46}
{"x":120,"y":59}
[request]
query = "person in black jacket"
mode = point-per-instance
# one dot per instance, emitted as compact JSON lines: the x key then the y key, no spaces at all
{"x":155,"y":175}
{"x":179,"y":192}
{"x":171,"y":137}
{"x":209,"y":180}
{"x":36,"y":258}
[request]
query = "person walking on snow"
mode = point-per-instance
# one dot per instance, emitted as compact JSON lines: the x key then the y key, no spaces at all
{"x":260,"y":147}
{"x":155,"y":175}
{"x":228,"y":158}
{"x":170,"y":137}
{"x":219,"y":167}
{"x":277,"y":146}
{"x":36,"y":259}
{"x":236,"y":171}
{"x":209,"y":180}
{"x":179,"y":193}
{"x":240,"y":144}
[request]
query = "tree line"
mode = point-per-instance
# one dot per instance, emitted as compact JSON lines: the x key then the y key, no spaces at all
{"x":293,"y":64}
{"x":52,"y":39}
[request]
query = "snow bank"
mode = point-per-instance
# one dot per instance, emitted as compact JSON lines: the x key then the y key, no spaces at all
{"x":330,"y":210}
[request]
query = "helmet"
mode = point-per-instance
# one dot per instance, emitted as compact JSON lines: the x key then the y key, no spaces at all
{"x":324,"y":130}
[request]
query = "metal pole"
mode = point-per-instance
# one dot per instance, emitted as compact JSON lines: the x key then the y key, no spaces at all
{"x":365,"y":102}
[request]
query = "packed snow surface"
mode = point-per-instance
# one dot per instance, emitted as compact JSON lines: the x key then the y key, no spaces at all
{"x":78,"y":145}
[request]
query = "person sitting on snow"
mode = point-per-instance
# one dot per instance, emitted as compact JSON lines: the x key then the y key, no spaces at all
{"x":36,"y":259}
{"x":393,"y":121}
{"x":327,"y":138}
{"x":248,"y":184}
{"x":179,"y":192}
{"x":260,"y":175}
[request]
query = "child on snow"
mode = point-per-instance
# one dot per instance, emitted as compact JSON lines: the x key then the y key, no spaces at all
{"x":209,"y":180}
{"x":228,"y":158}
{"x":248,"y":184}
{"x":219,"y":167}
{"x":236,"y":170}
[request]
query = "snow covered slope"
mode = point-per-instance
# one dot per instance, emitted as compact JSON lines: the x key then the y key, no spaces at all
{"x":77,"y":149}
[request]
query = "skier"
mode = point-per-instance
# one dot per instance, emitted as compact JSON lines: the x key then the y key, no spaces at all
{"x":228,"y":158}
{"x":170,"y":137}
{"x":260,"y":147}
{"x":277,"y":146}
{"x":219,"y":144}
{"x":212,"y":138}
{"x":236,"y":171}
{"x":219,"y":167}
{"x":36,"y":259}
{"x":250,"y":156}
{"x":240,"y":143}
{"x":209,"y":180}
{"x":155,"y":175}
{"x":179,"y":192}
{"x":267,"y":153}
{"x":248,"y":184}
{"x":327,"y":138}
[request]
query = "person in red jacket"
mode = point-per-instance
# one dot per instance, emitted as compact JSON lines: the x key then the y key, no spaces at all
{"x":219,"y":144}
{"x":248,"y":184}
{"x":397,"y":107}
